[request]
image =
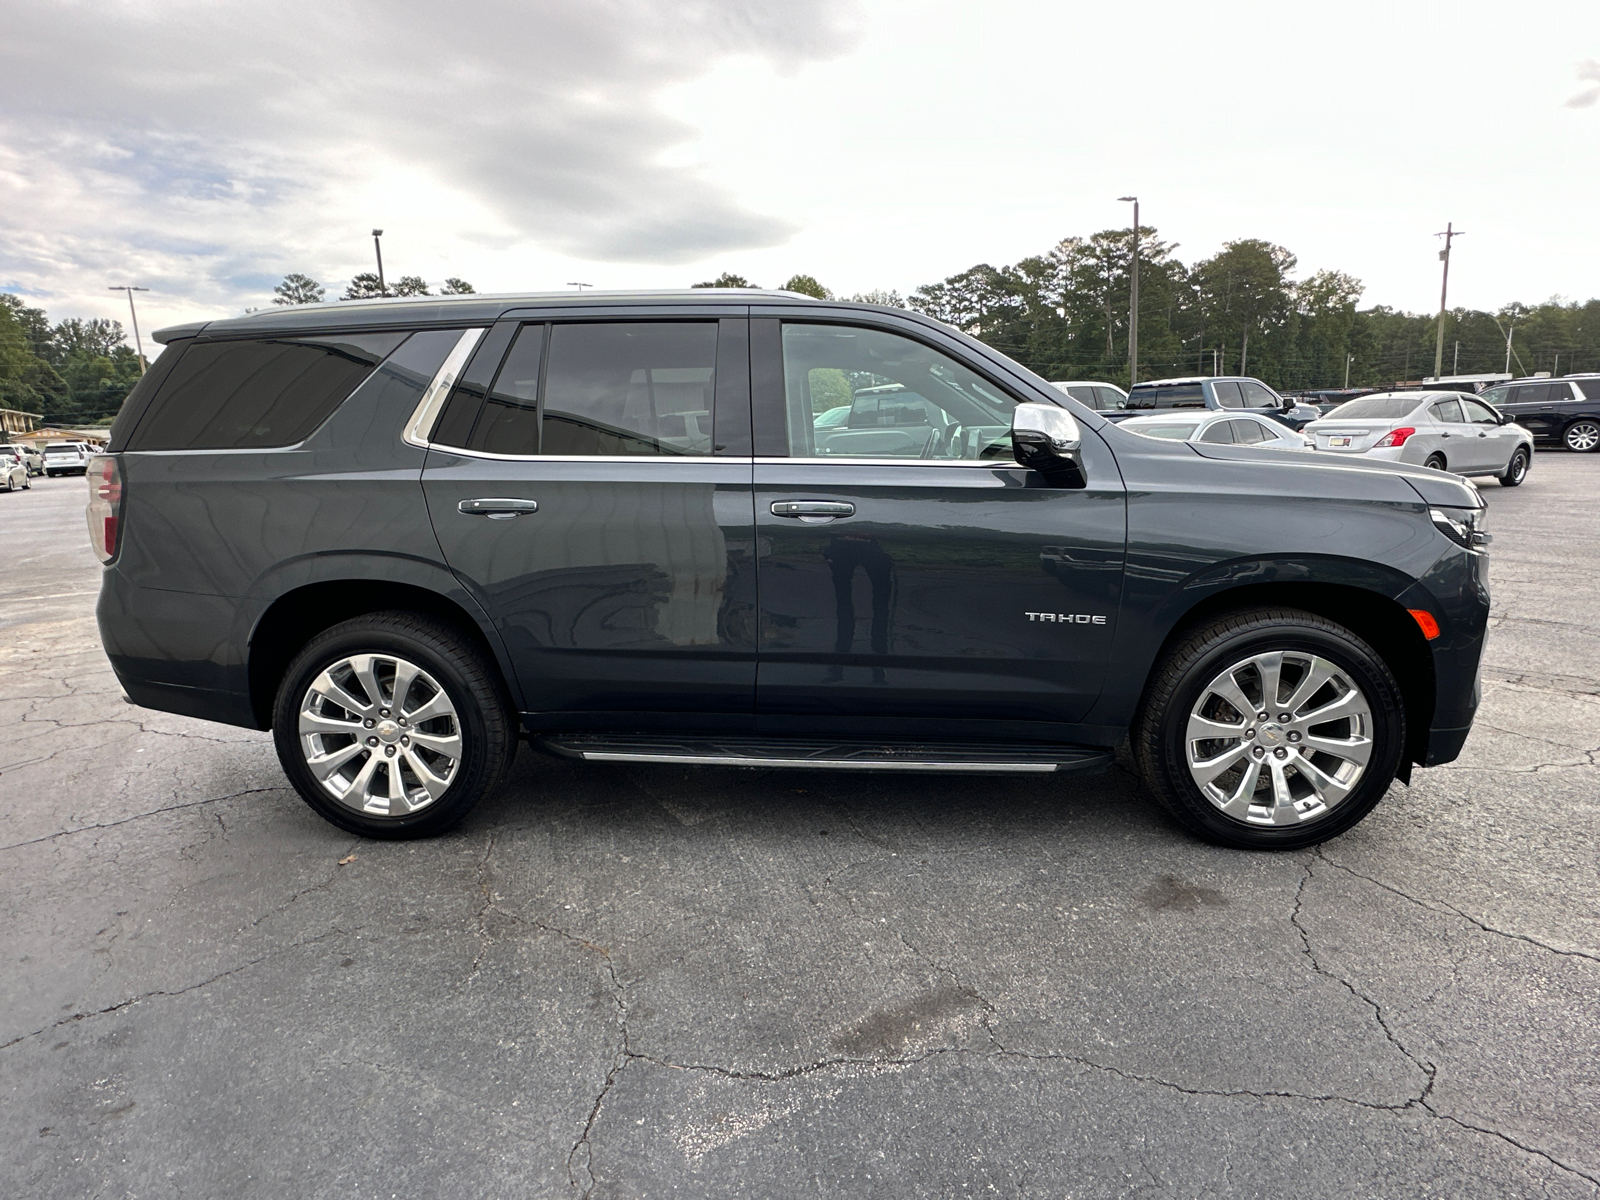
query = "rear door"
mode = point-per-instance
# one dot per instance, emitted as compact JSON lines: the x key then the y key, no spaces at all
{"x":912,"y":575}
{"x":590,"y":482}
{"x":1458,"y":441}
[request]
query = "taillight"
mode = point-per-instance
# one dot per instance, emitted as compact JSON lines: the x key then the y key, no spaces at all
{"x":1395,"y":437}
{"x":105,"y":505}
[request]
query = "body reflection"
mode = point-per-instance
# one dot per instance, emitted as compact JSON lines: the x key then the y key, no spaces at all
{"x":844,"y":555}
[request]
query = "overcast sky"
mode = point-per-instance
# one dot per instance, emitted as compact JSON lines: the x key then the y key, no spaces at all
{"x":204,"y":150}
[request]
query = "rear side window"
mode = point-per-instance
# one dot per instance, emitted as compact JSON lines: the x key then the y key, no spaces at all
{"x":1251,"y":432}
{"x":603,"y":389}
{"x":1448,"y":411}
{"x":1218,"y":431}
{"x":1183,"y":395}
{"x":258,"y":393}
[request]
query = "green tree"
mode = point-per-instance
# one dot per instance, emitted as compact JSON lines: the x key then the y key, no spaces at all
{"x":298,"y":289}
{"x":889,"y":299}
{"x":411,"y":285}
{"x":807,"y":285}
{"x":364,"y":286}
{"x":726,"y":280}
{"x":457,"y":287}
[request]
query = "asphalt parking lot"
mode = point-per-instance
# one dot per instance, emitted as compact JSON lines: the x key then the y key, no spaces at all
{"x":635,"y":981}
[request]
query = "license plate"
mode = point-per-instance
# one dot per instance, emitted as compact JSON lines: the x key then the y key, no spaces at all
{"x":1334,"y":442}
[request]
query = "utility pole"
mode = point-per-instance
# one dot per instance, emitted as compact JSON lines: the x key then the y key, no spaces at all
{"x":377,"y":246}
{"x":138,"y":344}
{"x":1450,"y":233}
{"x":1133,"y":297}
{"x":1509,"y":331}
{"x":1455,"y":363}
{"x":1348,"y":359}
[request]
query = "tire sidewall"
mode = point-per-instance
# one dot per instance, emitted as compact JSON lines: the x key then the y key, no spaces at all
{"x":1517,"y":468}
{"x":1567,"y":434}
{"x":1351,"y":656}
{"x":475,"y":774}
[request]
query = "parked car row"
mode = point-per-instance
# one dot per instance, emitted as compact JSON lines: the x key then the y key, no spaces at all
{"x":14,"y":472}
{"x":1559,"y":411}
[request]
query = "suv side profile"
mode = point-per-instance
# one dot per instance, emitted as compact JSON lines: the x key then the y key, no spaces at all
{"x":1238,"y":393}
{"x":1563,"y":412}
{"x":404,"y":535}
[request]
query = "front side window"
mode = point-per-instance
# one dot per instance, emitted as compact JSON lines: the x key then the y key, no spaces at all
{"x":1478,"y":414}
{"x":602,"y":390}
{"x":1256,"y":395}
{"x":901,"y":399}
{"x":1111,"y":400}
{"x":257,"y":393}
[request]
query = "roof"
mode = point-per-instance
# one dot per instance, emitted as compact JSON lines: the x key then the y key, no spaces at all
{"x":1194,"y":379}
{"x":337,"y":314}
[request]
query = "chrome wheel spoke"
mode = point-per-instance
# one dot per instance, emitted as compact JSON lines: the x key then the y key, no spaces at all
{"x":344,"y":754}
{"x":1270,"y":668}
{"x":1207,"y":769}
{"x":1351,"y":704}
{"x":1318,"y":672}
{"x":1327,"y":789}
{"x":1202,"y":728}
{"x":1226,"y":686}
{"x":1239,"y":803}
{"x":1353,"y":749}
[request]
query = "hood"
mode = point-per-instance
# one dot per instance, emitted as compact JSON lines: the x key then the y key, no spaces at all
{"x":1433,"y":487}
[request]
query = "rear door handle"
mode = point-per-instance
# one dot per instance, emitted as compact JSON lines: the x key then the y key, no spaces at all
{"x":813,"y":511}
{"x":498,"y":509}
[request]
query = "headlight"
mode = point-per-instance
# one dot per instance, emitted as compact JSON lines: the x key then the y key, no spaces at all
{"x":1463,"y":526}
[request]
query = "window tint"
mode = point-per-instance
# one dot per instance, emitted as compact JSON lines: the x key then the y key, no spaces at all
{"x":626,"y":388}
{"x":1257,"y":396}
{"x":1478,"y":414}
{"x":1179,"y":395}
{"x":1178,"y":431}
{"x":1590,"y":388}
{"x":1497,"y":396}
{"x":906,"y":400}
{"x":1448,"y":411}
{"x":1218,"y":431}
{"x":1083,"y":394}
{"x":508,"y":421}
{"x":1530,"y":393}
{"x":1557,"y":393}
{"x":1110,"y":399}
{"x":1373,"y":408}
{"x":1227,"y":393}
{"x":257,"y":393}
{"x":1251,"y":432}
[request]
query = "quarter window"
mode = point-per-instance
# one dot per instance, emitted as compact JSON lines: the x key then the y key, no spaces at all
{"x":905,"y":399}
{"x":258,"y":393}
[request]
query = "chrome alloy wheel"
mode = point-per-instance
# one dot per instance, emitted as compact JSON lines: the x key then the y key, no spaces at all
{"x":380,"y":735}
{"x":1582,"y":436}
{"x":1279,"y":738}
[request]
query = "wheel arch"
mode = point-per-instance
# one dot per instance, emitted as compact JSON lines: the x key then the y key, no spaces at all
{"x":298,"y":615}
{"x":1378,"y":619}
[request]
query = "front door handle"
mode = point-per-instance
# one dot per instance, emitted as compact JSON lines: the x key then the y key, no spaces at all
{"x":497,"y":509}
{"x":813,"y":511}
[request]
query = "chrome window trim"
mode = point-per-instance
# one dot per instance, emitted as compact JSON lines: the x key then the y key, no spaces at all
{"x":842,"y":461}
{"x":426,"y":413}
{"x":701,"y":460}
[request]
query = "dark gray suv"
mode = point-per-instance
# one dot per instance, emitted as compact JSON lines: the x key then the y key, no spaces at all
{"x":745,"y":528}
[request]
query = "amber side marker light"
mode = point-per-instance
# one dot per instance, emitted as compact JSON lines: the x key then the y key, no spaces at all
{"x":1425,"y":621}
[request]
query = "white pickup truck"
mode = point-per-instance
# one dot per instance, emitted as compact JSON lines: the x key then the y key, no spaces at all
{"x":66,"y":458}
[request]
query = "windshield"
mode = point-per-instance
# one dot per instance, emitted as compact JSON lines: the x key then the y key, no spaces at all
{"x":1182,"y":395}
{"x":1176,"y":430}
{"x":1370,"y":408}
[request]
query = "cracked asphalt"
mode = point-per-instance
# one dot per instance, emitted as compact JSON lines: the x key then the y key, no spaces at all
{"x":637,"y":981}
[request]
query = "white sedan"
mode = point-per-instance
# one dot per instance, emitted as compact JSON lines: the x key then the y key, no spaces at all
{"x":1448,"y":431}
{"x":1228,"y":428}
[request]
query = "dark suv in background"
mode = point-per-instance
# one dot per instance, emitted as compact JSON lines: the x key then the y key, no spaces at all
{"x":405,"y":534}
{"x":1559,"y":411}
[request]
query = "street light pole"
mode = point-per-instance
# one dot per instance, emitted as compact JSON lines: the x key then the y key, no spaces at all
{"x":1348,"y":359}
{"x":1450,"y":233}
{"x":138,"y":343}
{"x":1133,"y":297}
{"x":377,"y":246}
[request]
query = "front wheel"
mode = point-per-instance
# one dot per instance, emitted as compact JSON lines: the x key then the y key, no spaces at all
{"x":1516,"y":470}
{"x":1582,"y":436}
{"x":392,"y":725}
{"x":1270,"y":729}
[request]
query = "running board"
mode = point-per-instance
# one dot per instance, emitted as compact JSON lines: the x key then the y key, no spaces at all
{"x":967,"y":757}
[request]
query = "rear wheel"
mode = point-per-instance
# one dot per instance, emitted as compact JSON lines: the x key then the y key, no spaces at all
{"x":393,"y":725}
{"x":1270,"y":729}
{"x":1582,"y":436}
{"x":1517,"y":469}
{"x":1435,"y":462}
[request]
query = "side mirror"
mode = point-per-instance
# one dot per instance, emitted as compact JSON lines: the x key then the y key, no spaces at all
{"x":1047,"y":439}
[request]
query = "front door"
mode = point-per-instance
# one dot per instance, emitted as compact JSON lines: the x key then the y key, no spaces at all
{"x":912,"y":575}
{"x":579,"y":494}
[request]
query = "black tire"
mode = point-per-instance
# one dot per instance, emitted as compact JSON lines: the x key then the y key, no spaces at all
{"x":1435,"y":462}
{"x":1516,"y":470}
{"x":1582,"y":436}
{"x":1180,"y":681}
{"x":471,"y":682}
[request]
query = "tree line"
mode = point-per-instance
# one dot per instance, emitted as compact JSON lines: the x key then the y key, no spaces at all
{"x":1064,"y":313}
{"x":72,"y":372}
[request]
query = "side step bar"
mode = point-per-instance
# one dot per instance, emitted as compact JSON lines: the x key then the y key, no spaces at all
{"x":768,"y":753}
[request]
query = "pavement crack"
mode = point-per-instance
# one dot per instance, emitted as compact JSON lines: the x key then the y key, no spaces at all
{"x":154,"y":812}
{"x":1511,"y":1141}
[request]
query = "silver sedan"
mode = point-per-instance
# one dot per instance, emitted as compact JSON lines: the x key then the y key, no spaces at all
{"x":1228,"y":428}
{"x":1448,"y":431}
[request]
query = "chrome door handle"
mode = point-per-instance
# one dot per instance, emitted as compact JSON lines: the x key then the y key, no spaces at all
{"x":813,"y":511}
{"x":497,"y":509}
